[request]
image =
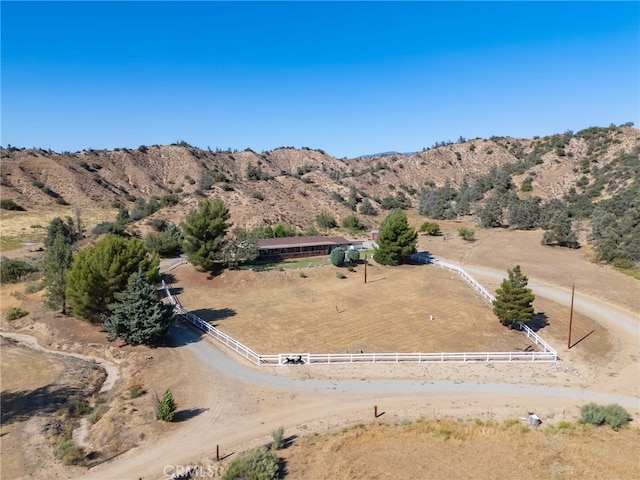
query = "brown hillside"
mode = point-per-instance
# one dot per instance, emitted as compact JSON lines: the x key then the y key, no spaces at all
{"x":299,"y":184}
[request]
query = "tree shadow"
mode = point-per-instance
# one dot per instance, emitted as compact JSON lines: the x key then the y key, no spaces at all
{"x":211,"y":315}
{"x":22,"y":405}
{"x":419,"y":258}
{"x":182,"y":333}
{"x":188,"y":413}
{"x":282,"y":467}
{"x":538,"y":321}
{"x":287,"y":442}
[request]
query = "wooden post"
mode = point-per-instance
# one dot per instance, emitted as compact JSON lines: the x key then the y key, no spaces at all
{"x":365,"y":269}
{"x":573,"y":289}
{"x":375,"y":411}
{"x":217,"y":453}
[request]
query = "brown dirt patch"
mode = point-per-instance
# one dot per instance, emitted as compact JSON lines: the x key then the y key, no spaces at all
{"x":279,"y":311}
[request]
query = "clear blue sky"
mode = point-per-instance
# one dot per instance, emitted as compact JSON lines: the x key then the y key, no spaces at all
{"x":349,"y":78}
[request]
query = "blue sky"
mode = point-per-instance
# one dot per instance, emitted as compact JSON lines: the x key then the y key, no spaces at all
{"x":350,"y":78}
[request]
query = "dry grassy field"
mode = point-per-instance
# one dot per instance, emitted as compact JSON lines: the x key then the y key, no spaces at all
{"x":311,"y":310}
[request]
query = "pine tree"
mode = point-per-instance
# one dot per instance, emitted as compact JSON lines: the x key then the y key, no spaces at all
{"x":100,"y":273}
{"x":139,"y":317}
{"x":167,"y":407}
{"x":513,"y":303}
{"x":396,"y":239}
{"x":204,"y":230}
{"x":57,"y":263}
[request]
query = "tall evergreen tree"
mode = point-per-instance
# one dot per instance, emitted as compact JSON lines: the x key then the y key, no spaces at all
{"x":513,"y":303}
{"x":204,"y":230}
{"x":396,"y":239}
{"x":139,"y":317}
{"x":100,"y":273}
{"x":57,"y":263}
{"x":57,"y":227}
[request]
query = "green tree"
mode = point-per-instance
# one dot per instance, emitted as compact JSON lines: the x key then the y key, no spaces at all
{"x":396,"y":239}
{"x":139,"y":317}
{"x":256,"y":464}
{"x":167,"y":407}
{"x":168,"y":243}
{"x":57,"y":227}
{"x":241,"y":247}
{"x":57,"y":263}
{"x":560,"y":231}
{"x":99,"y":274}
{"x":513,"y":303}
{"x":337,"y":256}
{"x":204,"y":231}
{"x":491,"y":214}
{"x":353,"y":255}
{"x":13,"y":270}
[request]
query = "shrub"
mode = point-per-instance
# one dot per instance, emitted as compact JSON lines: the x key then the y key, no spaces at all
{"x":467,"y":234}
{"x":7,"y":204}
{"x":337,"y":256}
{"x":258,"y":463}
{"x":353,"y":255}
{"x":352,"y":223}
{"x":430,"y":228}
{"x":278,"y":438}
{"x":340,"y":275}
{"x":13,"y":270}
{"x":303,"y":275}
{"x":14,"y":313}
{"x":613,"y":415}
{"x":258,"y":196}
{"x":326,"y":221}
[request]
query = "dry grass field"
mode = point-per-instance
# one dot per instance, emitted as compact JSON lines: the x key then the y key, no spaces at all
{"x":469,"y":449}
{"x":280,"y":311}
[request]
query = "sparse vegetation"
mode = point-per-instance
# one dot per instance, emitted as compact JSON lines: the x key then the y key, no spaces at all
{"x":15,"y":313}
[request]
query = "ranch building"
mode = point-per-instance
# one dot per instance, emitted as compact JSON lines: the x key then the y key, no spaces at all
{"x":294,"y":247}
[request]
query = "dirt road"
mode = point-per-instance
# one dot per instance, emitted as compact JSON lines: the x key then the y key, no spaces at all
{"x":239,"y":405}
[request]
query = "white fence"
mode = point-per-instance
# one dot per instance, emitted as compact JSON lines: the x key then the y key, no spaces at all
{"x":547,"y":355}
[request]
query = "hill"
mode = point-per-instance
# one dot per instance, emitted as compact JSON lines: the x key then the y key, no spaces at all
{"x":292,"y":186}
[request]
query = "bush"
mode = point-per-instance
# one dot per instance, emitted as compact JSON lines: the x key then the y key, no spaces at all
{"x":326,"y":221}
{"x":6,"y":204}
{"x":340,"y":275}
{"x":337,"y":256}
{"x":278,"y":438}
{"x":14,"y":313}
{"x":613,"y":415}
{"x":258,"y":196}
{"x":467,"y":234}
{"x":430,"y":228}
{"x":12,"y":270}
{"x":352,"y":223}
{"x":256,"y":464}
{"x":353,"y":255}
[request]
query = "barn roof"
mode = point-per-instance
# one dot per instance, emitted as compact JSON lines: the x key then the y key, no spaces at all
{"x":289,"y":242}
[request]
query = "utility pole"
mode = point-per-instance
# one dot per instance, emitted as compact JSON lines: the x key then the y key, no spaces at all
{"x":573,"y":289}
{"x":365,"y":268}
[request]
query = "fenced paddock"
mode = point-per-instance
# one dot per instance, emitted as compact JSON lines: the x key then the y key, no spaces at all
{"x":548,"y":354}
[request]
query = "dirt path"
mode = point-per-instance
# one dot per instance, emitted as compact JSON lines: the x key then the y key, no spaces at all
{"x":241,"y":404}
{"x":113,"y":373}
